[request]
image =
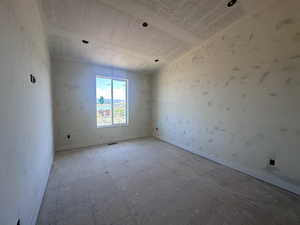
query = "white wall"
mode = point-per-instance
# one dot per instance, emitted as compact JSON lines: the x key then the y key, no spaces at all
{"x":74,"y":89}
{"x":235,"y":99}
{"x":25,"y":113}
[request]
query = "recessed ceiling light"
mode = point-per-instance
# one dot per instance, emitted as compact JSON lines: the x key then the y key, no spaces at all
{"x":156,"y":60}
{"x":145,"y":24}
{"x":85,"y":42}
{"x":231,"y":3}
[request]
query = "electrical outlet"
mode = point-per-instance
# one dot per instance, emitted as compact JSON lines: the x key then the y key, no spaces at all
{"x":69,"y":136}
{"x":272,"y":162}
{"x":18,"y":222}
{"x":32,"y":79}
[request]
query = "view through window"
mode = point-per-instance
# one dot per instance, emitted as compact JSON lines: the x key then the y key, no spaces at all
{"x":111,"y":101}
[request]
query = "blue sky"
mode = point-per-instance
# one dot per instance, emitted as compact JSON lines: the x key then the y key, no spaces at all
{"x":103,"y":88}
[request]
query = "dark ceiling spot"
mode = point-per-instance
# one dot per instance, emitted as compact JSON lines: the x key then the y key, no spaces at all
{"x":156,"y":60}
{"x":145,"y":24}
{"x":85,"y":42}
{"x":231,"y":3}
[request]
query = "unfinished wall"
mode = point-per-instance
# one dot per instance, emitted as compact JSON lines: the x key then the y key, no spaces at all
{"x":235,"y":99}
{"x":74,"y":88}
{"x":25,"y":112}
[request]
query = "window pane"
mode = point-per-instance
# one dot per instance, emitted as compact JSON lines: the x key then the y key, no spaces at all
{"x":119,"y":95}
{"x":104,"y":101}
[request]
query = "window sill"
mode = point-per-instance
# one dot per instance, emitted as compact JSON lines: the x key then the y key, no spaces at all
{"x":113,"y":126}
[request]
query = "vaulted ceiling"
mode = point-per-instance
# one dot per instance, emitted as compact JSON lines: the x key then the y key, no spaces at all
{"x":117,"y":37}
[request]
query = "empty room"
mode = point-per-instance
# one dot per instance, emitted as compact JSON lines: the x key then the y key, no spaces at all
{"x":149,"y":112}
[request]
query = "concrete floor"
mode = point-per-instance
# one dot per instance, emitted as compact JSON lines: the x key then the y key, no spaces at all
{"x":149,"y":182}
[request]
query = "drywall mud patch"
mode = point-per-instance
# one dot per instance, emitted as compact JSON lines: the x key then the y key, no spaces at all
{"x":264,"y":77}
{"x":198,"y":59}
{"x":255,"y":140}
{"x":284,"y":130}
{"x":243,"y":79}
{"x":229,"y":80}
{"x":251,"y":36}
{"x":235,"y":68}
{"x":289,"y":69}
{"x":296,"y":37}
{"x":257,"y":67}
{"x":281,"y":24}
{"x":273,"y":94}
{"x":289,"y":81}
{"x":295,"y":57}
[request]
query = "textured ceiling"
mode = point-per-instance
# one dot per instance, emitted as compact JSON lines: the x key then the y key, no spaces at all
{"x":117,"y":37}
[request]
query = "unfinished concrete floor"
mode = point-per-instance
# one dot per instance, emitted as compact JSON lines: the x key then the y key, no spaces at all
{"x":149,"y":182}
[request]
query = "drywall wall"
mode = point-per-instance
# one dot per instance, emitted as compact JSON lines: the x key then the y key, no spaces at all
{"x":25,"y":113}
{"x":235,"y":98}
{"x":74,"y":90}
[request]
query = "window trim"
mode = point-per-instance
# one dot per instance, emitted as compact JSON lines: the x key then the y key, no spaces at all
{"x":112,"y":105}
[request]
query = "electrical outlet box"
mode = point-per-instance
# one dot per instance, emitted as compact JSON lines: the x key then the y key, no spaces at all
{"x":272,"y":162}
{"x":32,"y":79}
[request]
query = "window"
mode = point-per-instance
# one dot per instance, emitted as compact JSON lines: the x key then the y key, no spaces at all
{"x":111,"y":101}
